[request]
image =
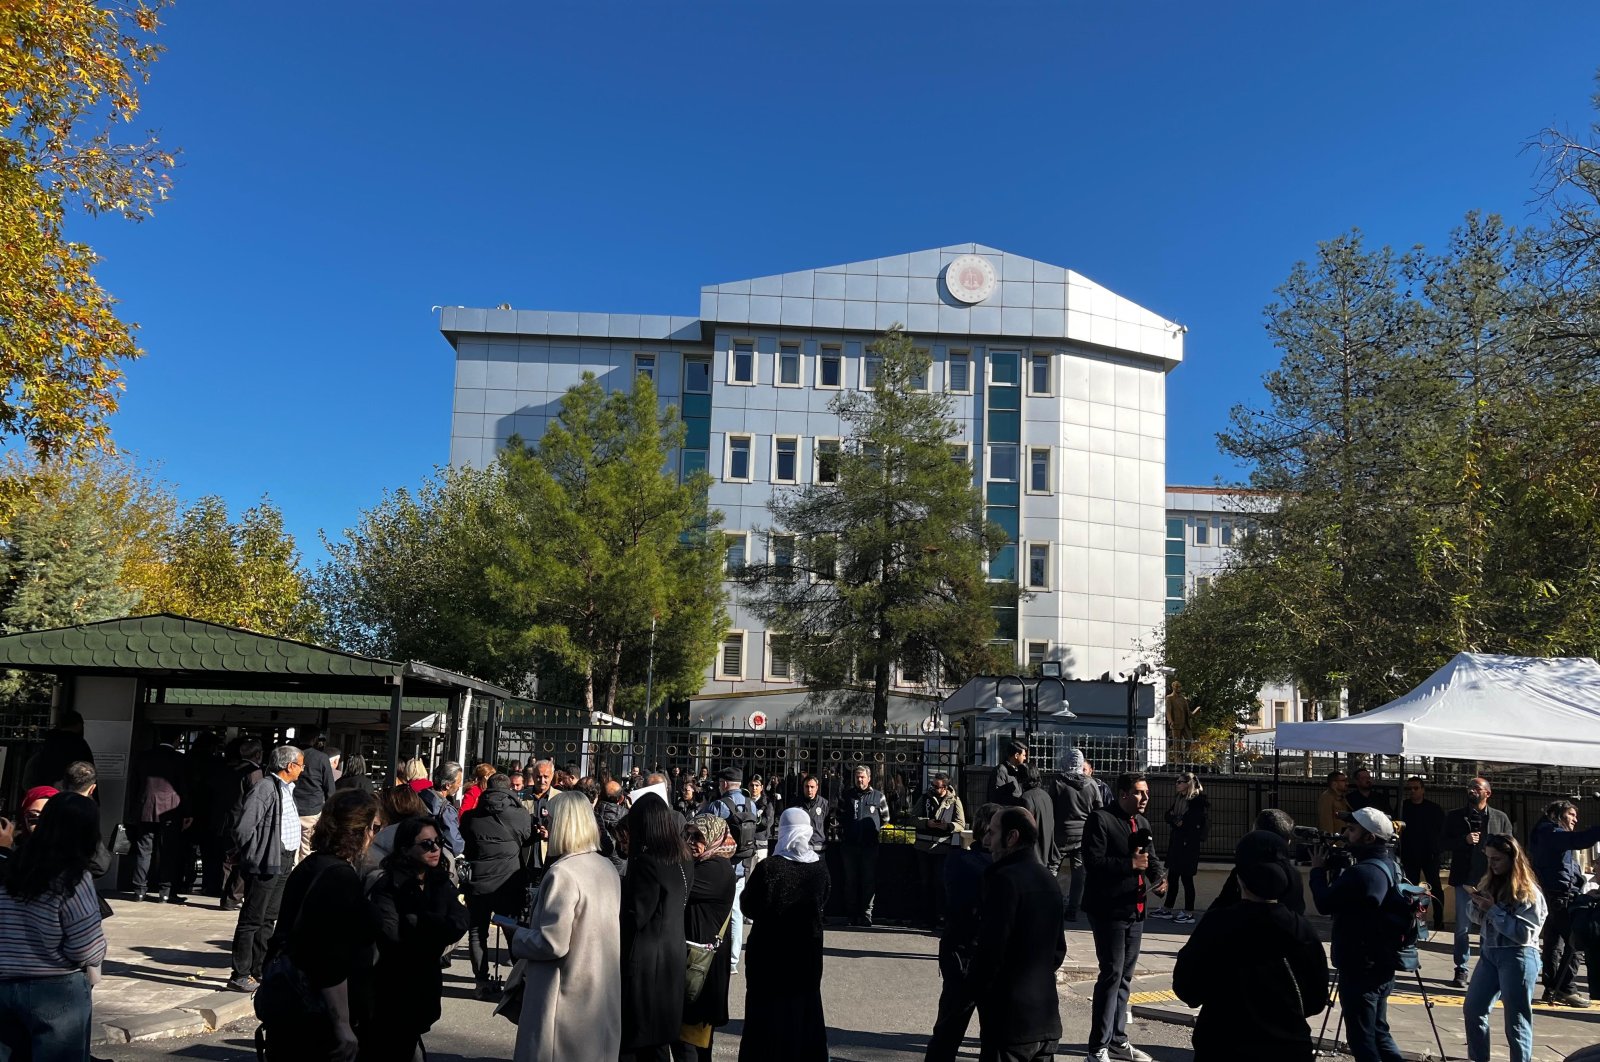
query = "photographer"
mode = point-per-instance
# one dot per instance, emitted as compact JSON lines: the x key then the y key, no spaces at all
{"x":1366,"y":947}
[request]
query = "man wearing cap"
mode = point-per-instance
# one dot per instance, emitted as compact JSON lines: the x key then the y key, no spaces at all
{"x":1009,"y":779}
{"x":1465,"y":830}
{"x":734,"y":806}
{"x":1365,"y":949}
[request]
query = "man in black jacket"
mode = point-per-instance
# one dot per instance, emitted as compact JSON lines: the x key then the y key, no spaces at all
{"x":495,"y":832}
{"x":1421,"y":841}
{"x":862,"y":812}
{"x":958,"y":939}
{"x":266,"y":838}
{"x":1006,"y":782}
{"x":1021,"y":942}
{"x":245,"y":762}
{"x":1074,"y":795}
{"x":1119,"y":855}
{"x":1465,"y":830}
{"x":314,"y":788}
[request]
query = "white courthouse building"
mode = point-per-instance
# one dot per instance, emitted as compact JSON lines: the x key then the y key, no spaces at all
{"x":1058,"y":386}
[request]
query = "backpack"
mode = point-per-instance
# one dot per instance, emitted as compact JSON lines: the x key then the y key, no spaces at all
{"x":742,"y":823}
{"x":1405,"y":906}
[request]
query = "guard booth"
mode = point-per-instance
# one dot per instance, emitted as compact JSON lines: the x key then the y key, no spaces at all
{"x":146,"y":679}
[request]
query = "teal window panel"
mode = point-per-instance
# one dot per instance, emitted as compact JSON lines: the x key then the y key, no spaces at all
{"x":696,"y":406}
{"x":1175,"y":586}
{"x":1008,"y":518}
{"x":1174,"y":549}
{"x":1004,"y":564}
{"x":1174,"y":566}
{"x":693,"y":461}
{"x":1175,"y":527}
{"x":1005,"y":622}
{"x":1005,"y":366}
{"x":1005,"y":426}
{"x":1005,"y":398}
{"x":697,"y":433}
{"x":1174,"y":607}
{"x":1003,"y":493}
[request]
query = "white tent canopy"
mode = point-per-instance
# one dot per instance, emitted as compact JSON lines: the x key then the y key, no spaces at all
{"x":1508,"y":709}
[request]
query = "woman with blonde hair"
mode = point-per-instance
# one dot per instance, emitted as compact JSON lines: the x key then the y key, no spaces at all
{"x":1510,"y":911}
{"x":412,"y":770}
{"x":1190,"y":819}
{"x":572,"y":996}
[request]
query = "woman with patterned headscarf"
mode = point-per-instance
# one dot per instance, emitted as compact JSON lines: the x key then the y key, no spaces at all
{"x":784,"y":897}
{"x":705,"y":920}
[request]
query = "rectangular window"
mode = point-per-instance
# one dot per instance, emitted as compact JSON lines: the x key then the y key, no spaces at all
{"x":697,"y":376}
{"x":736,"y":545}
{"x":959,"y":373}
{"x":738,"y":470}
{"x":1038,"y":566}
{"x":1202,"y":533}
{"x":644,"y":365}
{"x":961,"y":453}
{"x":1039,"y":470}
{"x":919,"y":379}
{"x":1003,"y":367}
{"x":1039,"y":374}
{"x":1201,"y":582}
{"x":785,"y":460}
{"x":743,"y":370}
{"x":1003,"y":462}
{"x":1280,"y":711}
{"x":1225,"y":534}
{"x":778,"y":667}
{"x":730,"y":661}
{"x":825,"y":558}
{"x":782,"y":551}
{"x":827,"y":460}
{"x":871,"y":365}
{"x":830,"y":368}
{"x":788,"y":374}
{"x":1038,"y":653}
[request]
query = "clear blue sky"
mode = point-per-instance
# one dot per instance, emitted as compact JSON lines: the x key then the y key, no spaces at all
{"x":347,"y":166}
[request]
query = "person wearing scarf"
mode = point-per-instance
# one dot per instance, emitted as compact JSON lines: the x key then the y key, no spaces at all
{"x":784,"y":898}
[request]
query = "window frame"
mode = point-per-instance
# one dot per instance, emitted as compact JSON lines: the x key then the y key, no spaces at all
{"x":817,"y":450}
{"x":776,"y":478}
{"x":835,"y":352}
{"x":990,"y":361}
{"x":727,"y":458}
{"x":1202,"y":532}
{"x":1028,"y":662}
{"x":869,"y":358}
{"x":1226,"y":536}
{"x":1049,"y":374}
{"x":966,"y":356}
{"x":722,"y":655}
{"x":1049,"y":470}
{"x":927,"y":373}
{"x":1027,"y":564}
{"x":772,"y":550}
{"x":726,"y":535}
{"x":642,"y":356}
{"x":710,"y":373}
{"x":800,"y":365}
{"x":988,"y":462}
{"x":733,"y":363}
{"x":767,"y":657}
{"x":965,"y":455}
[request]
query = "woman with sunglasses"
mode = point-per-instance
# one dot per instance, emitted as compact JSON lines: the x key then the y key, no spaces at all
{"x":420,"y":913}
{"x":1510,"y":910}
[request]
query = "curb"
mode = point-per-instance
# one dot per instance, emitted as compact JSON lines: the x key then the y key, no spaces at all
{"x":203,"y":1014}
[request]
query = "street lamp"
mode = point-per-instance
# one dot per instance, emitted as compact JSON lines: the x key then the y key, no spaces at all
{"x":1030,"y":698}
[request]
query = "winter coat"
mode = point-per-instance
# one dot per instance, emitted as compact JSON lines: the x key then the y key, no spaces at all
{"x":494,"y":833}
{"x":1114,"y":889}
{"x":257,"y":835}
{"x":416,"y":921}
{"x":49,"y":763}
{"x":158,"y":779}
{"x":817,"y":810}
{"x":782,"y":967}
{"x":861,"y":814}
{"x":1551,"y":849}
{"x":1037,"y":801}
{"x":1021,"y":942}
{"x":710,"y":901}
{"x":1236,"y":967}
{"x":608,"y":817}
{"x":572,"y":995}
{"x":1423,"y":836}
{"x":1006,"y":783}
{"x":1364,"y":941}
{"x":653,"y":954}
{"x":1189,"y":831}
{"x":1468,"y":864}
{"x":1074,"y":796}
{"x":445,"y":814}
{"x":315,"y":784}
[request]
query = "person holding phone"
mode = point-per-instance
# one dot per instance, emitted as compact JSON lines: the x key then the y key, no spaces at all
{"x":1509,"y":907}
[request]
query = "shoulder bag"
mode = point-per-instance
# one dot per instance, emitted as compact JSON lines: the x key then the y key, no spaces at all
{"x":286,"y":993}
{"x":700,"y":956}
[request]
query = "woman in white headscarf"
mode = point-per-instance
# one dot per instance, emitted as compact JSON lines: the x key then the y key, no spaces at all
{"x":784,"y":898}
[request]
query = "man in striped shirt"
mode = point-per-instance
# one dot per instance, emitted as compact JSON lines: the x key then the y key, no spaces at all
{"x":268,"y":840}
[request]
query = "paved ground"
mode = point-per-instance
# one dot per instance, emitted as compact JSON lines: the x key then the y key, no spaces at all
{"x":880,"y":991}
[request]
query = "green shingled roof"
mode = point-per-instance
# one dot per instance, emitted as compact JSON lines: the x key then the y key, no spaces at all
{"x":175,"y":650}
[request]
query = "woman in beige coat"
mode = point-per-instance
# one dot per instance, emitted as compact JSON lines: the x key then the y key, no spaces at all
{"x":572,"y":1000}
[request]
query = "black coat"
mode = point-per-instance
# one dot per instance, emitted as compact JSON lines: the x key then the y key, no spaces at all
{"x":1294,"y":899}
{"x":1006,"y":784}
{"x":1113,"y":888}
{"x":710,"y":901}
{"x":245,"y":775}
{"x":1037,"y":800}
{"x":608,"y":816}
{"x":1468,"y":864}
{"x":1188,"y":834}
{"x":782,"y":969}
{"x":257,"y":832}
{"x":653,"y":897}
{"x":494,"y":833}
{"x":1021,"y":942}
{"x":1236,"y":967}
{"x":315,"y":784}
{"x":1074,"y":796}
{"x":49,"y":763}
{"x":1375,"y":798}
{"x":1423,"y":837}
{"x":416,"y":922}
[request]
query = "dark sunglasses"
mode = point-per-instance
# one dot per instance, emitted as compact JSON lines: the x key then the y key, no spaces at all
{"x":429,"y":845}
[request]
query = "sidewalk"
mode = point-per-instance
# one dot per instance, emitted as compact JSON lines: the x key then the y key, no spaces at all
{"x":164,"y":972}
{"x":1557,"y":1031}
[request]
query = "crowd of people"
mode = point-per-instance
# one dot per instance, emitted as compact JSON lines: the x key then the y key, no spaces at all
{"x":607,"y":916}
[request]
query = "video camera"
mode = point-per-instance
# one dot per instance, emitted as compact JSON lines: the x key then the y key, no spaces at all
{"x":1337,"y":848}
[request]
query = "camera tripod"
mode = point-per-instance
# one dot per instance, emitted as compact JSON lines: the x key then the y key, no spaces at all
{"x":1333,"y":998}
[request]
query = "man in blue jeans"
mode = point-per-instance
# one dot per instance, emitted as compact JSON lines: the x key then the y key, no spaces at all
{"x":1366,"y":947}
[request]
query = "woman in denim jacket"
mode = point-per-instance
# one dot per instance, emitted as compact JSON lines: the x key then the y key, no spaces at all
{"x":1510,"y":910}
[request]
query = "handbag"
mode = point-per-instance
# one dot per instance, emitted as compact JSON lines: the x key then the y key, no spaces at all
{"x":510,"y":1005}
{"x":286,"y":994}
{"x":699,"y":965}
{"x":120,"y":844}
